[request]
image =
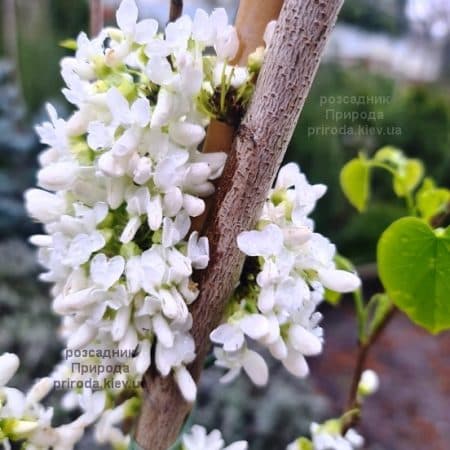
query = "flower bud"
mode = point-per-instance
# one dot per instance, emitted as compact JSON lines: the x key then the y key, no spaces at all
{"x":39,"y":390}
{"x":9,"y":363}
{"x":186,"y":384}
{"x":304,"y":341}
{"x":369,"y":383}
{"x":186,"y":134}
{"x":44,"y":206}
{"x":58,"y":176}
{"x":339,"y":280}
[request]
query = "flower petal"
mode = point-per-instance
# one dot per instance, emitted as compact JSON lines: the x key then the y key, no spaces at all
{"x":339,"y":280}
{"x":127,"y":15}
{"x":256,"y":368}
{"x":267,"y":242}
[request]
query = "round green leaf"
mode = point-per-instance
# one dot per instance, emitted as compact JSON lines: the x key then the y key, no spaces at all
{"x":414,"y":266}
{"x":355,"y":182}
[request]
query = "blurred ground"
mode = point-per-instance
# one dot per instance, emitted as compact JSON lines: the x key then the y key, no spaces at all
{"x":411,"y":411}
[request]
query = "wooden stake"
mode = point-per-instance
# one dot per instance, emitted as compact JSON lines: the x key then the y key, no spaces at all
{"x":96,"y":17}
{"x":251,"y":23}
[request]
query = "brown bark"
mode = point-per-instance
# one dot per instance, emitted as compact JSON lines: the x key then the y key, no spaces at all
{"x":96,"y":17}
{"x":258,"y":149}
{"x":251,"y":22}
{"x":176,"y":9}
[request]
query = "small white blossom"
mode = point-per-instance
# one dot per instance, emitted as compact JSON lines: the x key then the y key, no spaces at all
{"x":199,"y":439}
{"x":369,"y":383}
{"x":326,"y":438}
{"x":295,"y":266}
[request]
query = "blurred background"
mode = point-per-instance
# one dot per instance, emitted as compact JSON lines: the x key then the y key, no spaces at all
{"x":393,"y":56}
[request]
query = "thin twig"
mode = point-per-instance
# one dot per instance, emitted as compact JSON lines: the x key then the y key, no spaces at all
{"x":176,"y":9}
{"x":361,"y":360}
{"x":96,"y":17}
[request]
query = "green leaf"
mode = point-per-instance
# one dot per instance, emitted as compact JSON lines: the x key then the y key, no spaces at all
{"x":70,"y":44}
{"x":332,"y":297}
{"x":305,"y":444}
{"x":414,"y":267}
{"x":392,"y":156}
{"x":431,"y":200}
{"x":408,"y":177}
{"x":355,"y":182}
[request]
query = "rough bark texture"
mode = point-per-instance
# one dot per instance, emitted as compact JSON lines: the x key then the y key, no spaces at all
{"x":258,"y":149}
{"x":96,"y":12}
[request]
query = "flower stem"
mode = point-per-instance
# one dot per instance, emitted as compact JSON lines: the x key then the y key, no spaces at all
{"x":364,"y":348}
{"x":360,"y":313}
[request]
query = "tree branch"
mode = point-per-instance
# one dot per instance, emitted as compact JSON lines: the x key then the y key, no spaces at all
{"x":258,"y":149}
{"x":361,"y":360}
{"x":176,"y":9}
{"x":96,"y":17}
{"x":220,"y":135}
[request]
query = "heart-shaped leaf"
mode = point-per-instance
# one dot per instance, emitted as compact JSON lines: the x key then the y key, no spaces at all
{"x":414,"y":266}
{"x":355,"y":182}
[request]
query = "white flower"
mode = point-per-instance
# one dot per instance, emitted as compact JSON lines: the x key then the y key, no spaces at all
{"x":199,"y":439}
{"x":123,"y":177}
{"x":58,"y":176}
{"x":226,"y":42}
{"x":252,"y":363}
{"x":39,"y":390}
{"x":369,"y":383}
{"x":44,"y":206}
{"x":107,"y":430}
{"x":186,"y":383}
{"x":231,"y":336}
{"x":127,"y":16}
{"x":53,"y":133}
{"x":9,"y":363}
{"x":294,"y":266}
{"x":82,"y":247}
{"x":198,"y":251}
{"x":326,"y":437}
{"x":122,"y":114}
{"x":267,"y":242}
{"x":105,"y":273}
{"x":339,"y":280}
{"x":235,"y":76}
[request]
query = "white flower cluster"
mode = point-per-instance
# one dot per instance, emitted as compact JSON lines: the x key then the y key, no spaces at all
{"x":23,"y":417}
{"x":120,"y":181}
{"x":329,"y":437}
{"x":199,"y":439}
{"x":277,"y":307}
